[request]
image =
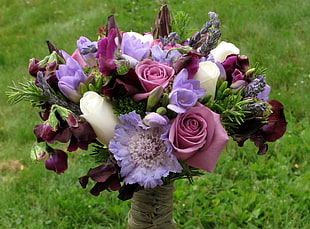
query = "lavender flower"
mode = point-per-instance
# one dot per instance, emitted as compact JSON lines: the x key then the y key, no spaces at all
{"x":69,"y":76}
{"x":185,"y":93}
{"x":162,"y":56}
{"x":88,"y":50}
{"x":143,"y":153}
{"x":257,"y":88}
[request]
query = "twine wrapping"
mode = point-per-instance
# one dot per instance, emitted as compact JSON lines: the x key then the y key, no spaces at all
{"x":152,"y":208}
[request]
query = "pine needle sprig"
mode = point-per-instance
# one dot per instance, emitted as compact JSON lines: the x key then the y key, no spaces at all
{"x":26,"y":92}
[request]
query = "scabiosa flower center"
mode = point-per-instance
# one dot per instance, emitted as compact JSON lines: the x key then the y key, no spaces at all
{"x":147,"y":149}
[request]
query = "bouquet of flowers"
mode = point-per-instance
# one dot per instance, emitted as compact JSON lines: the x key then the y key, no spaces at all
{"x":153,"y":107}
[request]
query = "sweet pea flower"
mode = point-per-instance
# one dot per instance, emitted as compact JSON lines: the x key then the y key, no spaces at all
{"x":233,"y":63}
{"x":78,"y":134}
{"x":88,"y":50}
{"x":185,"y":92}
{"x":105,"y":54}
{"x":105,"y":176}
{"x":69,"y":76}
{"x":134,"y":48}
{"x":208,"y":74}
{"x":190,"y":61}
{"x":78,"y":57}
{"x":57,"y":162}
{"x":223,"y":50}
{"x":198,"y":137}
{"x":98,"y":112}
{"x":152,"y":74}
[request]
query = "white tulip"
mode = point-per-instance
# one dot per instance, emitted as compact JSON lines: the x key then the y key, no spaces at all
{"x":208,"y":74}
{"x":223,"y":50}
{"x":98,"y":112}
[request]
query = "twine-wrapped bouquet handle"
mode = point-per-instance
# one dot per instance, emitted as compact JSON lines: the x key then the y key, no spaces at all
{"x":152,"y":208}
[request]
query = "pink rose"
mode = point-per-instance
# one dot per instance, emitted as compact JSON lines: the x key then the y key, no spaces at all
{"x":198,"y":137}
{"x":153,"y":74}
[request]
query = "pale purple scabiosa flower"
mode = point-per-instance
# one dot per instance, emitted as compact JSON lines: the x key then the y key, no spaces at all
{"x":69,"y":76}
{"x":185,"y":92}
{"x":143,"y":153}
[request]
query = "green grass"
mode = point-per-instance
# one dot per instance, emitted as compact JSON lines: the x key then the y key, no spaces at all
{"x":245,"y":190}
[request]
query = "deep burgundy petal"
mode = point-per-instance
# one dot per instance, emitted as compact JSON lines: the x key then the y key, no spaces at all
{"x":58,"y":162}
{"x":102,"y":173}
{"x":44,"y":132}
{"x":98,"y":187}
{"x":83,"y":181}
{"x":276,"y":126}
{"x":126,"y":192}
{"x":62,"y":135}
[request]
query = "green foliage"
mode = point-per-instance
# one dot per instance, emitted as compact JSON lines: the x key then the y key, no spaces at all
{"x":126,"y":105}
{"x":26,"y":92}
{"x":179,"y":24}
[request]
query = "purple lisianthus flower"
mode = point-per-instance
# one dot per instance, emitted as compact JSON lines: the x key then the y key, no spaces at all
{"x":69,"y":76}
{"x":133,"y":49}
{"x":143,"y":153}
{"x":160,"y":55}
{"x":57,"y":162}
{"x":88,"y":50}
{"x":185,"y":92}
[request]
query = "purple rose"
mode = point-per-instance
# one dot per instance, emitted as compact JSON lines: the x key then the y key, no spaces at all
{"x":153,"y":74}
{"x":198,"y":137}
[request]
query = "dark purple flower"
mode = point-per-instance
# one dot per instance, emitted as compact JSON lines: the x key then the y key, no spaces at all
{"x":57,"y":161}
{"x":80,"y":134}
{"x":70,"y":75}
{"x":260,"y":133}
{"x":123,"y":85}
{"x":190,"y":61}
{"x":47,"y":70}
{"x":185,"y":92}
{"x":106,"y":177}
{"x":105,"y":53}
{"x":234,"y":62}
